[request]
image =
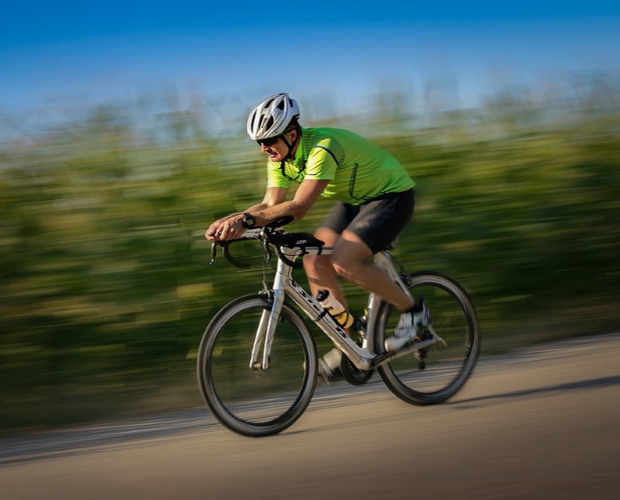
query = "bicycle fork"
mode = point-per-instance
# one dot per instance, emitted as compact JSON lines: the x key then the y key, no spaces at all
{"x":270,"y":318}
{"x":265,"y":332}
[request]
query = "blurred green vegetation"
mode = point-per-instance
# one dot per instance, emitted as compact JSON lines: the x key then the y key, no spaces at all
{"x":106,"y":286}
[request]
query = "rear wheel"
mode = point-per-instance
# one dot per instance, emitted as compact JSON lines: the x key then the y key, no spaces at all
{"x":434,"y":374}
{"x":256,"y":402}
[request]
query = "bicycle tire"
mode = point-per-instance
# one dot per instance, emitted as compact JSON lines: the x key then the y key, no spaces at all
{"x":435,"y":374}
{"x":250,"y":402}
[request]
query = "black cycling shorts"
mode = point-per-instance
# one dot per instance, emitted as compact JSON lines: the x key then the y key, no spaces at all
{"x":377,"y":222}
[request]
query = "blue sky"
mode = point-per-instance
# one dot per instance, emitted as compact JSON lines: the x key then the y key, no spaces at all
{"x":83,"y":52}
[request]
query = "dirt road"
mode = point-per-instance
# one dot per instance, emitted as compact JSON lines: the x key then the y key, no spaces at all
{"x":538,"y":423}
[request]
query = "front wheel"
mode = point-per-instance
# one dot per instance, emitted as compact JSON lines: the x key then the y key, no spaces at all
{"x":256,"y":402}
{"x":436,"y":373}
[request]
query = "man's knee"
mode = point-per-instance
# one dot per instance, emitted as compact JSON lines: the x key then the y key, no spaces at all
{"x":314,"y":262}
{"x":343,"y":265}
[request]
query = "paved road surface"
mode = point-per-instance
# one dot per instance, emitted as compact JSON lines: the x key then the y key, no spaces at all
{"x":538,"y":423}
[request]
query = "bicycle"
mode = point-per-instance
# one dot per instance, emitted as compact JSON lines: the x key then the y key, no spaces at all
{"x":258,"y":363}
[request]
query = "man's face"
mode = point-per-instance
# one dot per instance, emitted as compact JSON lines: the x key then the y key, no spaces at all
{"x":278,"y":150}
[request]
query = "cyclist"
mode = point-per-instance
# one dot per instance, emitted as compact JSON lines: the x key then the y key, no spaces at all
{"x":375,"y":201}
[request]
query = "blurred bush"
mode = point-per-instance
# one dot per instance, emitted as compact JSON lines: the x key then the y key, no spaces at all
{"x":106,"y":285}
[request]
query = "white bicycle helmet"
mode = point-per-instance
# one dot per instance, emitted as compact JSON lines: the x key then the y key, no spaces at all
{"x":271,"y":117}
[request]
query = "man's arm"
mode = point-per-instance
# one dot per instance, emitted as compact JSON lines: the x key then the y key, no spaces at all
{"x":273,"y":196}
{"x":271,"y":208}
{"x":306,"y":195}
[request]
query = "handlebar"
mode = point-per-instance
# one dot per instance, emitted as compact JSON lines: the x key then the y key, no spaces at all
{"x":271,"y":235}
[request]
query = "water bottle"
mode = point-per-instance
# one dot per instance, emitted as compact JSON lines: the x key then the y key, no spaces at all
{"x":335,"y":309}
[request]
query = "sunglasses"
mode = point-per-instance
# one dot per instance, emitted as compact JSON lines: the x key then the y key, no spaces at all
{"x":268,"y":142}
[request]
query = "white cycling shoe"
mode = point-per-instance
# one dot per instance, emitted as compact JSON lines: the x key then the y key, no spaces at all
{"x":408,"y":327}
{"x":329,"y":365}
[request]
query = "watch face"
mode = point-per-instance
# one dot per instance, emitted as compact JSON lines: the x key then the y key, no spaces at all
{"x":248,"y":221}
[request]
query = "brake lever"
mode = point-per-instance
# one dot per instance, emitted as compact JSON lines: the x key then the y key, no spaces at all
{"x":267,"y":250}
{"x":213,"y":252}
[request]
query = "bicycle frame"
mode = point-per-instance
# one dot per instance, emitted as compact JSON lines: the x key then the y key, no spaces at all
{"x":364,"y":358}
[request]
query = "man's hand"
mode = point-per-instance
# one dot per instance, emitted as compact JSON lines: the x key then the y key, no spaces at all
{"x":226,"y":228}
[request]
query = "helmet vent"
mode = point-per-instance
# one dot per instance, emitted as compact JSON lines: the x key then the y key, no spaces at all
{"x":268,"y":124}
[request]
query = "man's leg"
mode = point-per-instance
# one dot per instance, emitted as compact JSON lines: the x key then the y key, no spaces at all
{"x":321,"y":274}
{"x":351,"y":259}
{"x":319,"y":269}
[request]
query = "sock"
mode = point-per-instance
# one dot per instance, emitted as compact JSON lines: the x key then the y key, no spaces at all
{"x":415,"y":309}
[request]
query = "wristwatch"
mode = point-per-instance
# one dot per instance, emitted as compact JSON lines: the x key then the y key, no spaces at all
{"x":248,"y":221}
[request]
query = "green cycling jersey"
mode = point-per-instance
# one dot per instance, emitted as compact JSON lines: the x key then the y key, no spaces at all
{"x":359,"y":170}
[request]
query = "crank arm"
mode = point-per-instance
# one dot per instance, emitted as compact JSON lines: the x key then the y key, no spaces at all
{"x":436,"y":337}
{"x":416,"y":346}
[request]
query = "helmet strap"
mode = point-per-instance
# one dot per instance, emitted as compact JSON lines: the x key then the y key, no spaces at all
{"x":289,"y":155}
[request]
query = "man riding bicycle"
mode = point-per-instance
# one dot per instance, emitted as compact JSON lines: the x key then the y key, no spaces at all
{"x":375,"y":201}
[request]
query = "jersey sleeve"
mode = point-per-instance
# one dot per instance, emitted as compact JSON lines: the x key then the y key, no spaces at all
{"x":323,"y":160}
